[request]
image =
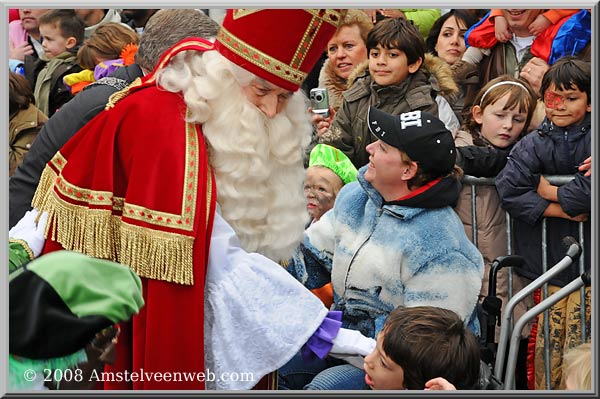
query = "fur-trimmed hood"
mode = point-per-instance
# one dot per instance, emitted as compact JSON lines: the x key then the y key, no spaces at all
{"x":440,"y":75}
{"x":334,"y":84}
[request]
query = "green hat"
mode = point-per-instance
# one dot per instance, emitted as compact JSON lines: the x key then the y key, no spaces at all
{"x":59,"y":301}
{"x":332,"y":158}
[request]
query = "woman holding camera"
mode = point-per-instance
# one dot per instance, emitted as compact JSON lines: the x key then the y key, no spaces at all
{"x":346,"y":50}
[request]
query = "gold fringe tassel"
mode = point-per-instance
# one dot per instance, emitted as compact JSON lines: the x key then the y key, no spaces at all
{"x":150,"y":253}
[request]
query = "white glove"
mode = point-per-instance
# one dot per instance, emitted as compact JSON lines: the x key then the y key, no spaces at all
{"x":30,"y":231}
{"x":351,"y":342}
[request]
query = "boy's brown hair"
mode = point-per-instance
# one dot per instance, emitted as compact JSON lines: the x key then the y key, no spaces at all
{"x":398,"y":33}
{"x":429,"y":342}
{"x":67,"y":22}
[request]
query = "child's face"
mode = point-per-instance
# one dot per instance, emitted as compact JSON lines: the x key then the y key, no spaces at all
{"x":382,"y":372}
{"x":565,"y":107}
{"x":53,"y":41}
{"x":500,"y":127}
{"x":390,"y":66}
{"x":320,"y":189}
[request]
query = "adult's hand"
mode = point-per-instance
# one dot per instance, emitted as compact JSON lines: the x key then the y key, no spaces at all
{"x":19,"y":52}
{"x":352,"y":342}
{"x":533,"y":72}
{"x":322,"y":123}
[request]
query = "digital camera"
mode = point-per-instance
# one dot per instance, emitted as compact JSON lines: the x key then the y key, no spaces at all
{"x":319,"y":101}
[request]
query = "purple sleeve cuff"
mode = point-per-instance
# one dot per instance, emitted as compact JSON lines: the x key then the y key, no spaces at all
{"x":321,"y":342}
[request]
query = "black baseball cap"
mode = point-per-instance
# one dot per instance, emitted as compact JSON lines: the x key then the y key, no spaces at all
{"x":422,"y":136}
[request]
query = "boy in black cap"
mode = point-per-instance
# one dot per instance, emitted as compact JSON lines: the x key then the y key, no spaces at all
{"x":392,"y":239}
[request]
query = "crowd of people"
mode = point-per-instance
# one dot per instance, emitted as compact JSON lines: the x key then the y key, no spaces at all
{"x":216,"y":223}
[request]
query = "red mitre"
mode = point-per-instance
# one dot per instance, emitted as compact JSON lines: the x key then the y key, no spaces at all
{"x":278,"y":45}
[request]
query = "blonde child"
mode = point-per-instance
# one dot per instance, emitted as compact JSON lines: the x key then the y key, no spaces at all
{"x":577,"y":363}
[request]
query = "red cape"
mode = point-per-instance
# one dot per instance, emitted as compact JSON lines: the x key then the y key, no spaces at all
{"x":134,"y":186}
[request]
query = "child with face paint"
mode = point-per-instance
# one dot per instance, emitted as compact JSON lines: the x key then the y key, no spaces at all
{"x":328,"y":171}
{"x":558,"y":147}
{"x":504,"y":108}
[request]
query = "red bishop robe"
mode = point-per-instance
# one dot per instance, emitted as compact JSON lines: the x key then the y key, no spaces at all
{"x":134,"y":186}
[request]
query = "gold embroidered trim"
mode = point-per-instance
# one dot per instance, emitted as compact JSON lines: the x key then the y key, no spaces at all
{"x":121,"y":94}
{"x":150,"y":253}
{"x":183,"y":221}
{"x":165,"y":60}
{"x":242,"y":12}
{"x":259,"y":58}
{"x":23,"y":244}
{"x":156,"y":254}
{"x":97,"y":232}
{"x":330,"y":16}
{"x":307,"y":39}
{"x":209,"y":183}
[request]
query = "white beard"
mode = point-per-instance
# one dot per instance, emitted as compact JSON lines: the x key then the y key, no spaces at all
{"x":257,"y":161}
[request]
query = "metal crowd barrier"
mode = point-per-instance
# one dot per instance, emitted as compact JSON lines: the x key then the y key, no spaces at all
{"x":557,"y":180}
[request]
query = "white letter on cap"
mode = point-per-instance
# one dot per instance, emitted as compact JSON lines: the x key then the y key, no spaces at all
{"x":410,"y":119}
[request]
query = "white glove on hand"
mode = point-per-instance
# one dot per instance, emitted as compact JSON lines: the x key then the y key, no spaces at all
{"x":351,"y":342}
{"x":30,"y":231}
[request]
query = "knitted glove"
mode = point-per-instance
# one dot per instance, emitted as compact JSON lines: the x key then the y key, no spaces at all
{"x":30,"y":231}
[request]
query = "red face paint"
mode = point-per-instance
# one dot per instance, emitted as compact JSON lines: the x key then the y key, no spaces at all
{"x":553,"y":100}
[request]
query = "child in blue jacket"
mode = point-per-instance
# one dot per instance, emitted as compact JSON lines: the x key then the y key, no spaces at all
{"x":558,"y":147}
